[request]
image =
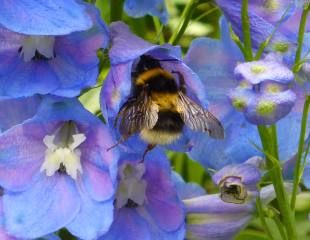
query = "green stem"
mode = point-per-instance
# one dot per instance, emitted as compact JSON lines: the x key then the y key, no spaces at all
{"x":269,"y":142}
{"x":185,"y":18}
{"x":301,"y":32}
{"x":297,"y":170}
{"x":259,"y":207}
{"x":246,"y":31}
{"x":116,"y":10}
{"x":206,"y":13}
{"x":159,"y":30}
{"x":280,"y":227}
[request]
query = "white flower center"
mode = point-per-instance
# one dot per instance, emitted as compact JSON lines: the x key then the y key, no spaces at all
{"x":131,"y":189}
{"x":63,"y":155}
{"x":37,"y":46}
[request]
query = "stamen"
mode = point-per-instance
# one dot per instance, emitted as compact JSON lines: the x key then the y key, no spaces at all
{"x":62,"y":153}
{"x":37,"y":48}
{"x":131,"y":190}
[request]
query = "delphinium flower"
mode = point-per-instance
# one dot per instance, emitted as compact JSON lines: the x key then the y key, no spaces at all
{"x":126,"y":53}
{"x":146,"y":203}
{"x":260,"y":28}
{"x":215,"y":62}
{"x":49,"y":47}
{"x":156,"y":8}
{"x":56,"y":171}
{"x":263,"y":93}
{"x":221,"y":216}
{"x":272,"y":18}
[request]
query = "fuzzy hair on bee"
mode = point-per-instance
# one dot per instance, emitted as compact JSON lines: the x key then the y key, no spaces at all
{"x":158,"y":108}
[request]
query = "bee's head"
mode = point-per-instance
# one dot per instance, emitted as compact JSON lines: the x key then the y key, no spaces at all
{"x":147,"y":62}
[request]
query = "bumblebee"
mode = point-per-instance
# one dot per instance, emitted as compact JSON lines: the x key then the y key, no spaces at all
{"x":158,"y":108}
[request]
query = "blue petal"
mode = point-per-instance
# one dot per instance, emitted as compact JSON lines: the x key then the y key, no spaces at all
{"x":74,"y":67}
{"x":186,"y":190}
{"x":128,"y":225}
{"x":48,"y":206}
{"x":40,"y":17}
{"x":157,"y":8}
{"x":214,"y":62}
{"x":235,"y":148}
{"x":93,"y":220}
{"x":15,"y":111}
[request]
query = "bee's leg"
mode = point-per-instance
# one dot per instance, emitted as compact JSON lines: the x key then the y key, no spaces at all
{"x":181,"y":81}
{"x":148,"y":148}
{"x":116,"y":144}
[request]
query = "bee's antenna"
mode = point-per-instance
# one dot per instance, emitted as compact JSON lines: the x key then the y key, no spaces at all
{"x":116,"y":144}
{"x":148,"y":148}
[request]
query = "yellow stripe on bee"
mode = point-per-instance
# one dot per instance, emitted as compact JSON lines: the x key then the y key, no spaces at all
{"x":149,"y":74}
{"x":165,"y":100}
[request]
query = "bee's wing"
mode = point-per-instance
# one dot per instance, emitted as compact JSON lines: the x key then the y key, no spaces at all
{"x":197,"y":118}
{"x":136,"y":114}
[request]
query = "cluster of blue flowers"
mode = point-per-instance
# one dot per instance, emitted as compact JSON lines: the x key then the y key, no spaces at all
{"x":57,"y":167}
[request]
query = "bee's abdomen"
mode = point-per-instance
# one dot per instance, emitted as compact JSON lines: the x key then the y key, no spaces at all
{"x":167,"y":129}
{"x":169,"y":121}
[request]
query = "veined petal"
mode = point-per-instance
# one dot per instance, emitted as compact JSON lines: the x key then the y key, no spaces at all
{"x":53,"y":203}
{"x":93,"y":219}
{"x":39,"y":17}
{"x":127,"y":47}
{"x":15,"y":111}
{"x":74,"y":64}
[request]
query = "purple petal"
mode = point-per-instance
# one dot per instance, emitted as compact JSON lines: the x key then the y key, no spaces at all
{"x":128,"y":225}
{"x":259,"y":27}
{"x":208,"y":217}
{"x":127,"y":47}
{"x":116,"y":88}
{"x":42,"y":17}
{"x":162,"y":203}
{"x":97,"y":182}
{"x":15,"y":111}
{"x":21,"y":155}
{"x":248,"y":173}
{"x":269,"y":108}
{"x":259,"y":71}
{"x":46,"y":207}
